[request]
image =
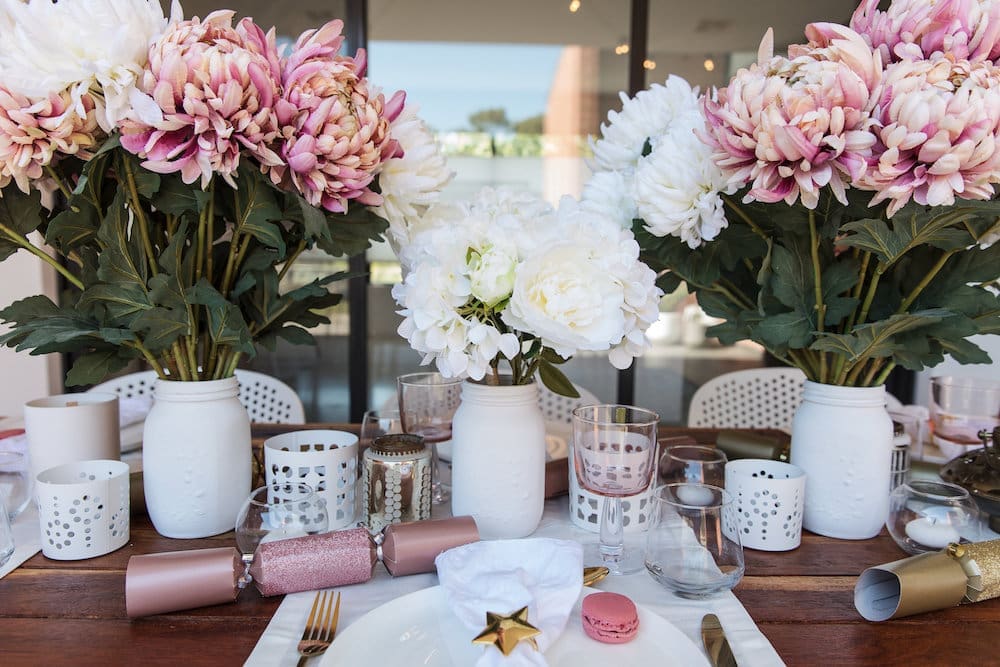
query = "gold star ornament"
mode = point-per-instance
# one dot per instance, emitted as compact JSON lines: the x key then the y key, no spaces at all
{"x":506,"y":632}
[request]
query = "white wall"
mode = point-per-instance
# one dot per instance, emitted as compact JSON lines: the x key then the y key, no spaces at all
{"x":24,"y":377}
{"x":990,"y":343}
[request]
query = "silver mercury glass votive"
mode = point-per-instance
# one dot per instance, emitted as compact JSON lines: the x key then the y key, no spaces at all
{"x":396,"y":480}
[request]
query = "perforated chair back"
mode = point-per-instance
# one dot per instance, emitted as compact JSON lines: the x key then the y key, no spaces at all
{"x":266,"y":399}
{"x":558,"y":409}
{"x":755,"y":398}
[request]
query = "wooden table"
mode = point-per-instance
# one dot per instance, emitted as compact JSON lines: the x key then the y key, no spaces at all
{"x":73,"y":613}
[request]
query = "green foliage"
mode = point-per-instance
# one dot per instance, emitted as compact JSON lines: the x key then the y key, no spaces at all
{"x":902,"y":291}
{"x":188,"y":279}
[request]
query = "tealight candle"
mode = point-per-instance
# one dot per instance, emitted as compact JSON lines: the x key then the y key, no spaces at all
{"x":932,"y":533}
{"x":691,"y":494}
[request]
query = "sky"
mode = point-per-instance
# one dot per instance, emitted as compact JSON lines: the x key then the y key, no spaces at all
{"x":452,"y":80}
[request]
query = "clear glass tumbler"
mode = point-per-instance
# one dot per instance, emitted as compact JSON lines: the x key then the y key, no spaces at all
{"x":693,"y":463}
{"x":15,"y":482}
{"x":687,"y":549}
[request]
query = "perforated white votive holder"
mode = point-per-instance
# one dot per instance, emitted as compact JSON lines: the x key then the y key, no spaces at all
{"x":585,"y":507}
{"x":83,"y":509}
{"x":325,"y":460}
{"x":769,"y":500}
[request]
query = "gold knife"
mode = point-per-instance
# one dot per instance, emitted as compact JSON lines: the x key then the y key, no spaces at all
{"x":716,"y":645}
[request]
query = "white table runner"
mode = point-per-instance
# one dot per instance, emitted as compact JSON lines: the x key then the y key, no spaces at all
{"x":277,"y":644}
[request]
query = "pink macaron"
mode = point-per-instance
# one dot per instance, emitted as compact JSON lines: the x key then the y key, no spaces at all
{"x":609,"y":617}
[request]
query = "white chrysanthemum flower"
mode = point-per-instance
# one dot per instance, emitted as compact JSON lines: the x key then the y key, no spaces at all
{"x":678,"y":185}
{"x":609,"y":194}
{"x":93,"y":46}
{"x":411,"y":184}
{"x":643,"y":118}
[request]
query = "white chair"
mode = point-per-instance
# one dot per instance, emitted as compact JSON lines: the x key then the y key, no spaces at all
{"x":266,"y":399}
{"x":755,"y":398}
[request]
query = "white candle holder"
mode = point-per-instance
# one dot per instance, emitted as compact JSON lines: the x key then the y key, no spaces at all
{"x":71,"y":427}
{"x":83,"y":509}
{"x":769,"y":501}
{"x":325,"y":460}
{"x":585,"y":507}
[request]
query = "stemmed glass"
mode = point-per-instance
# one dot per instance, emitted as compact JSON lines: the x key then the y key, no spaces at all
{"x":614,"y":451}
{"x":427,"y":404}
{"x":693,"y":463}
{"x":277,"y":512}
{"x":376,"y":423}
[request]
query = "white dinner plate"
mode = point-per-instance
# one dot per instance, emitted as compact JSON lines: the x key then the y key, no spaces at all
{"x":420,"y":629}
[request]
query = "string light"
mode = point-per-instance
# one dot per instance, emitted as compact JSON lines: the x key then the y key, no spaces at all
{"x":649,"y":64}
{"x":709,"y":64}
{"x":574,"y":5}
{"x":621,"y":49}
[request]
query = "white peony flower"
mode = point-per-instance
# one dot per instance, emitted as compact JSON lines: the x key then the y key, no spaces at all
{"x":643,"y":118}
{"x":411,"y":184}
{"x":609,"y":194}
{"x":566,"y":298}
{"x":678,"y":185}
{"x":96,"y":46}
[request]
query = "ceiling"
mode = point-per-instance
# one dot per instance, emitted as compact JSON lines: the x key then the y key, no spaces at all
{"x":699,"y":26}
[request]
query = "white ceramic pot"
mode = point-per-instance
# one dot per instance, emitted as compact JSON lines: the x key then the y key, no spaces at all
{"x":196,"y":457}
{"x":842,"y":439}
{"x":498,"y":459}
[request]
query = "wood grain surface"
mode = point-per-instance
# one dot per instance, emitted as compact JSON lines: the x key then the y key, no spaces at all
{"x":73,"y":612}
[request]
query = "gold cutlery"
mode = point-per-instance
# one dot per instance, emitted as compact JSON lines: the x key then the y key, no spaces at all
{"x":720,"y":654}
{"x":321,"y":626}
{"x":591,"y":575}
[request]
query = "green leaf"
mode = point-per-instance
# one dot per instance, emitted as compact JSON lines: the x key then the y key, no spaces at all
{"x":176,"y":197}
{"x":255,"y":206}
{"x":551,"y":356}
{"x":910,"y":228}
{"x":351,"y":233}
{"x":147,"y":183}
{"x":878,"y":338}
{"x":162,"y":327}
{"x":122,"y":259}
{"x":792,"y":280}
{"x":21,"y":214}
{"x":123,"y":302}
{"x":94,"y":367}
{"x":554,"y":379}
{"x":296,"y":336}
{"x":314,"y":221}
{"x":965,"y":352}
{"x":226,"y":325}
{"x":73,"y":227}
{"x":791,"y":329}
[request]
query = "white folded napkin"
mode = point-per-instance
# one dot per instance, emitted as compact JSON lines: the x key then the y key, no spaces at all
{"x":502,"y":576}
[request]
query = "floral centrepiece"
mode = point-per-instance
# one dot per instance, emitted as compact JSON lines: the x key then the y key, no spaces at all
{"x":181,"y":167}
{"x":834,"y":203}
{"x":505,"y":278}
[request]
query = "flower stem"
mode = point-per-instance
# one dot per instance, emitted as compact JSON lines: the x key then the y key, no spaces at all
{"x":924,"y":282}
{"x":231,"y":368}
{"x":818,"y":287}
{"x":140,"y":217}
{"x":744,"y":217}
{"x":884,"y":375}
{"x":870,"y":295}
{"x":291,"y":260}
{"x":41,"y":254}
{"x":150,"y":359}
{"x":54,"y":175}
{"x":870,"y":375}
{"x":179,"y":360}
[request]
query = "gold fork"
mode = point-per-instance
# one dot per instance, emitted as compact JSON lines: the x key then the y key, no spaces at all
{"x":321,"y":626}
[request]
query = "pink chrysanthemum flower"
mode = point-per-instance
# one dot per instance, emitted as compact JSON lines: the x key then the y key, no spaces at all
{"x":36,"y":133}
{"x":916,"y":29}
{"x":790,"y":126}
{"x":217,"y":86}
{"x":938,"y":138}
{"x":335,"y":124}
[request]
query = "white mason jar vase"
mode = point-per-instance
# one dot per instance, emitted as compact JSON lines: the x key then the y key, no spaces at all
{"x":842,"y":439}
{"x":196,"y":457}
{"x":498,"y":459}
